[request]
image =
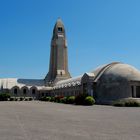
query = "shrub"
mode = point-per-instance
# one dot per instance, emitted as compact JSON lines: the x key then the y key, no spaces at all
{"x":89,"y":100}
{"x":52,"y":99}
{"x":127,"y":103}
{"x":43,"y":98}
{"x":26,"y":99}
{"x":30,"y":99}
{"x":4,"y":96}
{"x":132,"y":103}
{"x":58,"y":98}
{"x":80,"y":99}
{"x":70,"y":100}
{"x":21,"y":98}
{"x":48,"y":98}
{"x":12,"y":99}
{"x":16,"y":99}
{"x":63,"y":100}
{"x":119,"y":103}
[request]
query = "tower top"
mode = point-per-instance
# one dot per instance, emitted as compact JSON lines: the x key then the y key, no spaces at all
{"x":58,"y":28}
{"x":59,"y":22}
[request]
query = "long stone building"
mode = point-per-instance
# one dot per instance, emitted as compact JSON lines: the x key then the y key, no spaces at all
{"x":106,"y":83}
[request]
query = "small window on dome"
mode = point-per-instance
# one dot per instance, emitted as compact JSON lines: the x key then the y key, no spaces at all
{"x":60,"y":29}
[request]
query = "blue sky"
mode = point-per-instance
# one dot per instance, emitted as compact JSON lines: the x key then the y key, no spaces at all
{"x":98,"y":32}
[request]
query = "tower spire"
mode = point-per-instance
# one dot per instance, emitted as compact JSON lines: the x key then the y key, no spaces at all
{"x":58,"y":69}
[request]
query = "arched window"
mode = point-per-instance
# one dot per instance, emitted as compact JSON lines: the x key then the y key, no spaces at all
{"x":33,"y":91}
{"x":15,"y":91}
{"x":24,"y":91}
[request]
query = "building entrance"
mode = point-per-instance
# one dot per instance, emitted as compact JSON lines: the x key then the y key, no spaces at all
{"x":137,"y":91}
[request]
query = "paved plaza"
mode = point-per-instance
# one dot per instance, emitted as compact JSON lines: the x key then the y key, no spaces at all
{"x":52,"y":121}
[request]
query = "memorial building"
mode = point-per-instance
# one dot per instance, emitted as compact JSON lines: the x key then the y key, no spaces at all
{"x":106,"y":83}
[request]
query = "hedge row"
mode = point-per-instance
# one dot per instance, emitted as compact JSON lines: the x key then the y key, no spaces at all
{"x":4,"y":96}
{"x":127,"y":103}
{"x":7,"y":97}
{"x":81,"y":99}
{"x":20,"y":99}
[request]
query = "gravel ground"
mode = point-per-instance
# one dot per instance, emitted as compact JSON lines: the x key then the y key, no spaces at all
{"x":51,"y":121}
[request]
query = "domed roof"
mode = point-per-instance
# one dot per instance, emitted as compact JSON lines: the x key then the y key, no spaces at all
{"x":118,"y":70}
{"x":124,"y":70}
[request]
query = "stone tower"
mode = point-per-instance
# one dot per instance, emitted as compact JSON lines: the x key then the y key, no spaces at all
{"x":58,"y":69}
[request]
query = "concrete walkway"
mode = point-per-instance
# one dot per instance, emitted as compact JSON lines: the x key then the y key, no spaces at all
{"x":51,"y":121}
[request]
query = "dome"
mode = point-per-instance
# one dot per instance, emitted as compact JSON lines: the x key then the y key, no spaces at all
{"x":116,"y":81}
{"x":121,"y":70}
